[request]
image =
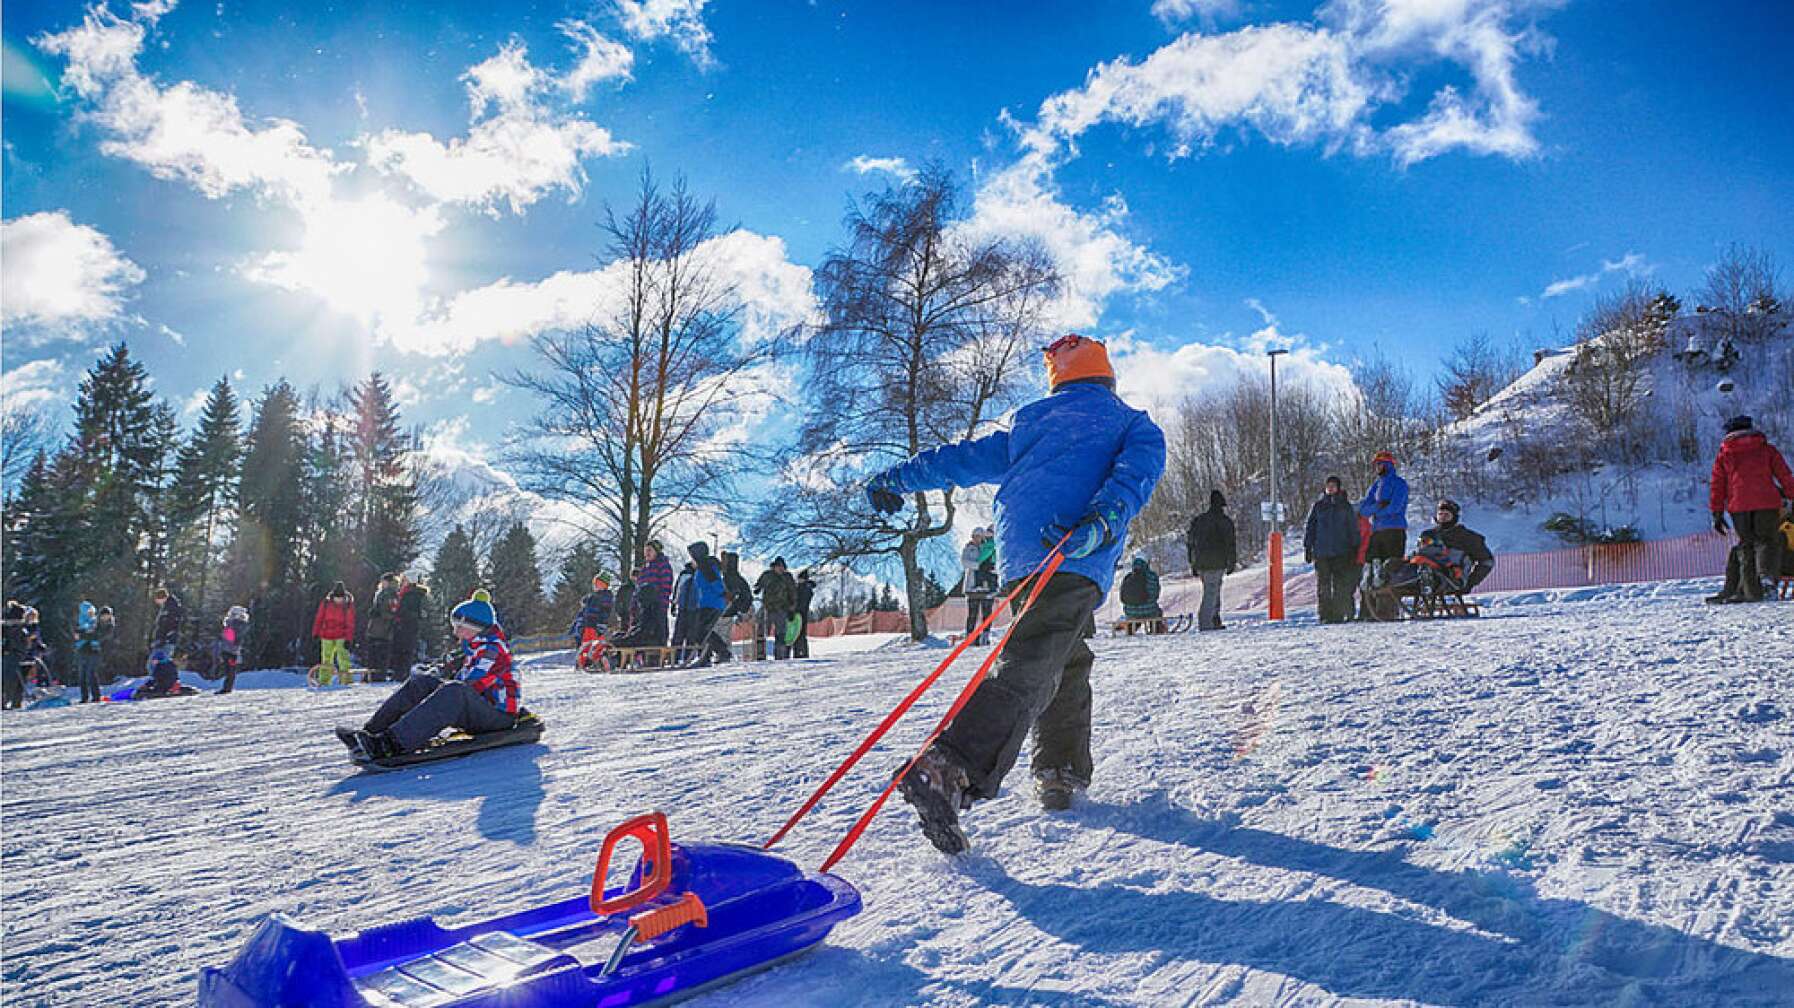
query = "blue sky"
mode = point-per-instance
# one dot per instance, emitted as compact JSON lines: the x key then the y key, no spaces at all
{"x":266,"y":189}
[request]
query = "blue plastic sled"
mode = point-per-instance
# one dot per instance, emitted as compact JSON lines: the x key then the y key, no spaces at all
{"x":135,"y":690}
{"x":692,"y":917}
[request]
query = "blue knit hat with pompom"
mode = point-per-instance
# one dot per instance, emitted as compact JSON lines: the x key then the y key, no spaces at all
{"x":476,"y":611}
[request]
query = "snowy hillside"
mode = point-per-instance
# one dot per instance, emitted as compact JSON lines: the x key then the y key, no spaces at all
{"x":1580,"y":799}
{"x":1486,"y":461}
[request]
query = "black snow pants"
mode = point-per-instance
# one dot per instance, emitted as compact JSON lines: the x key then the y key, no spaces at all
{"x":1335,"y":579}
{"x":1760,"y":539}
{"x":1042,"y":682}
{"x":421,"y":708}
{"x":977,"y":608}
{"x":12,"y":682}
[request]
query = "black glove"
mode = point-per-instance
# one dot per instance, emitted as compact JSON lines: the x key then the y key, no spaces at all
{"x":1719,"y":522}
{"x":881,"y":497}
{"x":1308,"y":556}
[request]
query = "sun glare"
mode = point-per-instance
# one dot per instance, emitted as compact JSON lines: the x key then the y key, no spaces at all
{"x":365,"y":258}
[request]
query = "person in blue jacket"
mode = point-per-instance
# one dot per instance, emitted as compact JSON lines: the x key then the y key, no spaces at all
{"x":705,"y":594}
{"x":1073,"y":468}
{"x":1386,"y":505}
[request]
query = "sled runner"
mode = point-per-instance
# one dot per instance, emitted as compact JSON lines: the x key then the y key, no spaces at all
{"x":692,"y":917}
{"x":639,"y":659}
{"x":1427,"y":590}
{"x":1180,"y":623}
{"x":528,"y":729}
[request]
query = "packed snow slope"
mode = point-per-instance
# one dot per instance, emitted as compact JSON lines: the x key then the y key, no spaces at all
{"x":1582,"y":798}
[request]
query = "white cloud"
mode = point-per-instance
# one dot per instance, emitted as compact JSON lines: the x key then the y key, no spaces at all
{"x":774,"y":292}
{"x":514,"y":155}
{"x":1206,"y":11}
{"x":600,"y":60}
{"x":61,"y":276}
{"x":366,"y":257}
{"x":183,"y":132}
{"x":679,"y":20}
{"x":894,"y":166}
{"x":1160,"y":379}
{"x":1321,"y":83}
{"x":31,"y":384}
{"x":1632,"y":264}
{"x":1095,"y":259}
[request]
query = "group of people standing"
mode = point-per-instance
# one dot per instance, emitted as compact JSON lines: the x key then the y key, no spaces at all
{"x":697,"y":609}
{"x":389,"y":638}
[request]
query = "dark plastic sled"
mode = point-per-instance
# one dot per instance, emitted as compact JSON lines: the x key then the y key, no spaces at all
{"x":529,"y":729}
{"x":692,"y":917}
{"x":136,"y":691}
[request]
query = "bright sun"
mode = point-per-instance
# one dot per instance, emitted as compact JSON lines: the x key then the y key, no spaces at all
{"x":364,"y":257}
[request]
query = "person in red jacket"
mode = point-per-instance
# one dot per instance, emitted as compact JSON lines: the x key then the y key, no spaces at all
{"x":333,"y":626}
{"x":1750,"y":480}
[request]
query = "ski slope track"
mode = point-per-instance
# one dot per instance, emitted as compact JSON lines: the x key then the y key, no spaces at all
{"x":1582,"y":798}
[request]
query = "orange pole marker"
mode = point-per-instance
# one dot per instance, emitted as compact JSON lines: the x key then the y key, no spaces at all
{"x":1276,"y":553}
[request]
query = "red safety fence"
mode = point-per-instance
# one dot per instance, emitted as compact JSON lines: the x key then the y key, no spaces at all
{"x":1691,"y":556}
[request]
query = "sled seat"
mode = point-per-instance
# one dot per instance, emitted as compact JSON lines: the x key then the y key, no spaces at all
{"x":484,"y":962}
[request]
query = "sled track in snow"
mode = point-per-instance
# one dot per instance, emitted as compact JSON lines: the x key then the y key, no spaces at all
{"x":1588,"y":803}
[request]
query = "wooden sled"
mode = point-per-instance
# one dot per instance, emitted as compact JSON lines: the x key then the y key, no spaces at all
{"x":1180,"y":623}
{"x":1784,"y":588}
{"x":1391,"y":604}
{"x":640,"y":659}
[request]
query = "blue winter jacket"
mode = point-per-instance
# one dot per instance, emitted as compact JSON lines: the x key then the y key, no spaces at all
{"x":1078,"y":449}
{"x":704,"y":589}
{"x":1386,"y":502}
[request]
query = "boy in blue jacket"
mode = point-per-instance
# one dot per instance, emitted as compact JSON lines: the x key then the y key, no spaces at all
{"x":1077,"y":465}
{"x":1386,"y":505}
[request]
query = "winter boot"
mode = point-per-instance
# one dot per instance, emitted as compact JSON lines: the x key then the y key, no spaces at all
{"x":1056,"y":789}
{"x":936,"y":786}
{"x":372,"y":746}
{"x":346,"y":736}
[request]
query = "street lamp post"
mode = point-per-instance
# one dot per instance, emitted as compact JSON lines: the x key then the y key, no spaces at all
{"x":1275,"y":547}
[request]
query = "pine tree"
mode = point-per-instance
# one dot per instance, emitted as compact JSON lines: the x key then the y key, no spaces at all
{"x":330,"y":527}
{"x":515,"y":579}
{"x":202,"y":499}
{"x":41,"y":531}
{"x":266,"y":556}
{"x":383,"y":493}
{"x":117,"y":467}
{"x":457,"y":570}
{"x":573,"y":581}
{"x":933,"y":592}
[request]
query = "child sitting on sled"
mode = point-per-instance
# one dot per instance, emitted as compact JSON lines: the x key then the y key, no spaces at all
{"x":592,"y":621}
{"x":164,"y":674}
{"x":483,"y":696}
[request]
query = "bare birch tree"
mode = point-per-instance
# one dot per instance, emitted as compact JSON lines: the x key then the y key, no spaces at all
{"x":631,"y":401}
{"x":926,"y":335}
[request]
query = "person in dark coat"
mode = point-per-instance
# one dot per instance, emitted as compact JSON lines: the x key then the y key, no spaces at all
{"x":94,"y":630}
{"x":592,"y":622}
{"x":740,"y":596}
{"x":1330,"y":542}
{"x":1072,"y":471}
{"x":806,"y":595}
{"x":1460,"y":553}
{"x":377,"y":636}
{"x":167,"y":629}
{"x":1140,"y":591}
{"x":1750,"y":480}
{"x":407,"y":623}
{"x":778,"y":600}
{"x":13,"y":648}
{"x":1214,"y":553}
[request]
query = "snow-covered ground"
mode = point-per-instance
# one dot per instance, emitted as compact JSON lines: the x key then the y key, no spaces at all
{"x":1581,"y":798}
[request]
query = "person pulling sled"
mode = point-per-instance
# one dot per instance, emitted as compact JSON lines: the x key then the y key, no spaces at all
{"x":1073,"y":468}
{"x":485,"y":697}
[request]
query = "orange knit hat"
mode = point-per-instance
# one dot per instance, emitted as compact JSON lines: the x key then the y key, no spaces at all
{"x":1383,"y":456}
{"x":1072,"y":357}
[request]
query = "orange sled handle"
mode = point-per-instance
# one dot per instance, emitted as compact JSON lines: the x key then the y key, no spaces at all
{"x":657,"y":863}
{"x":651,"y":924}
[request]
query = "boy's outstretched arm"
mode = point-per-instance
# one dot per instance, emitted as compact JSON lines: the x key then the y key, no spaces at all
{"x":961,"y":464}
